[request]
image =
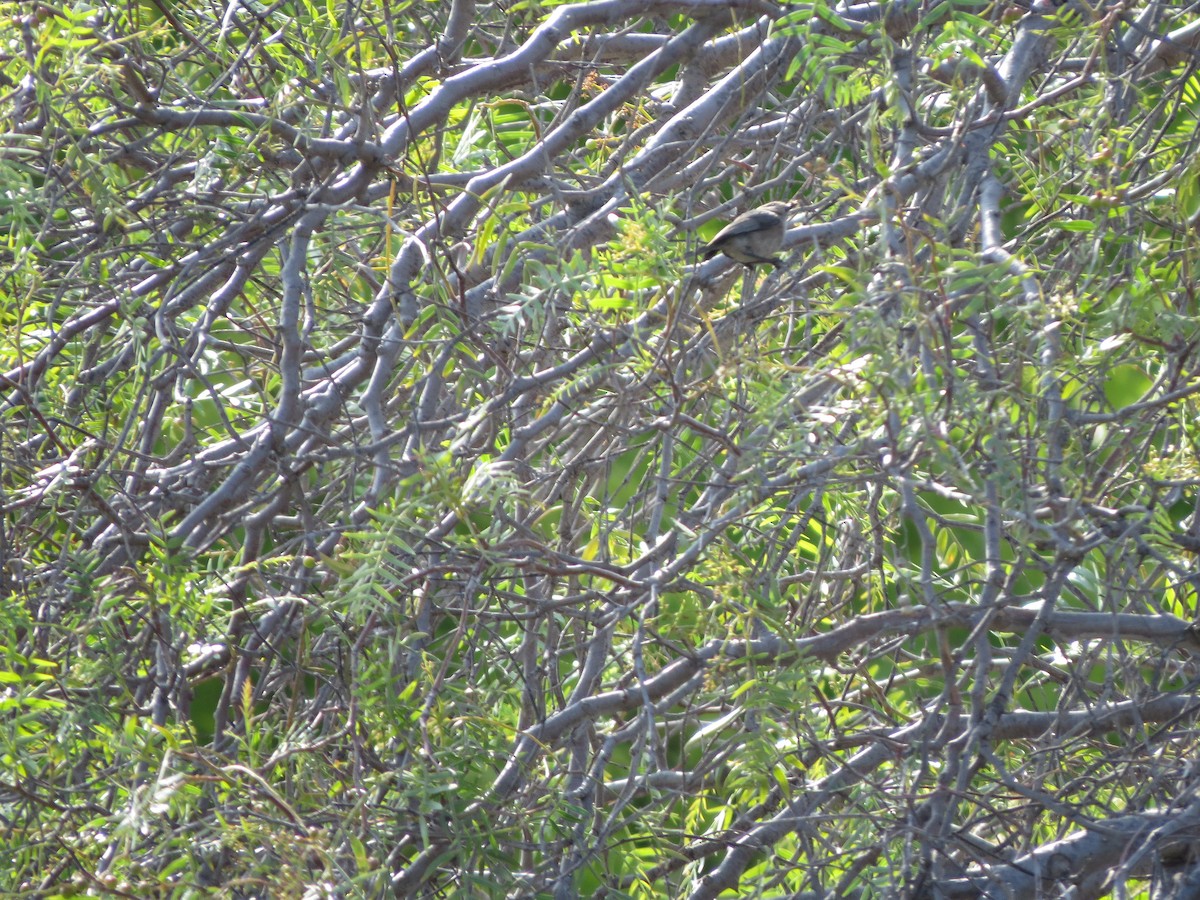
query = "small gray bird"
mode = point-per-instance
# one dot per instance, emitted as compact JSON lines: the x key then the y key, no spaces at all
{"x":754,"y":237}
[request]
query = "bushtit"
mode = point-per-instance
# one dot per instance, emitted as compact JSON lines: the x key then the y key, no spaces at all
{"x":753,"y":237}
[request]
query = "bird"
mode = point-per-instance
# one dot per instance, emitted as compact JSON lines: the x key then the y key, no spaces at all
{"x":753,"y":237}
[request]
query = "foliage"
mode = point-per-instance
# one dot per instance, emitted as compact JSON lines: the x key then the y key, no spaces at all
{"x":393,"y":505}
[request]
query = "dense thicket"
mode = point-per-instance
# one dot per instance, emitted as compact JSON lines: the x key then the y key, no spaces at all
{"x":392,"y":505}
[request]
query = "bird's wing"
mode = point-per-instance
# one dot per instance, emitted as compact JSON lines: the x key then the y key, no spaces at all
{"x":755,"y":221}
